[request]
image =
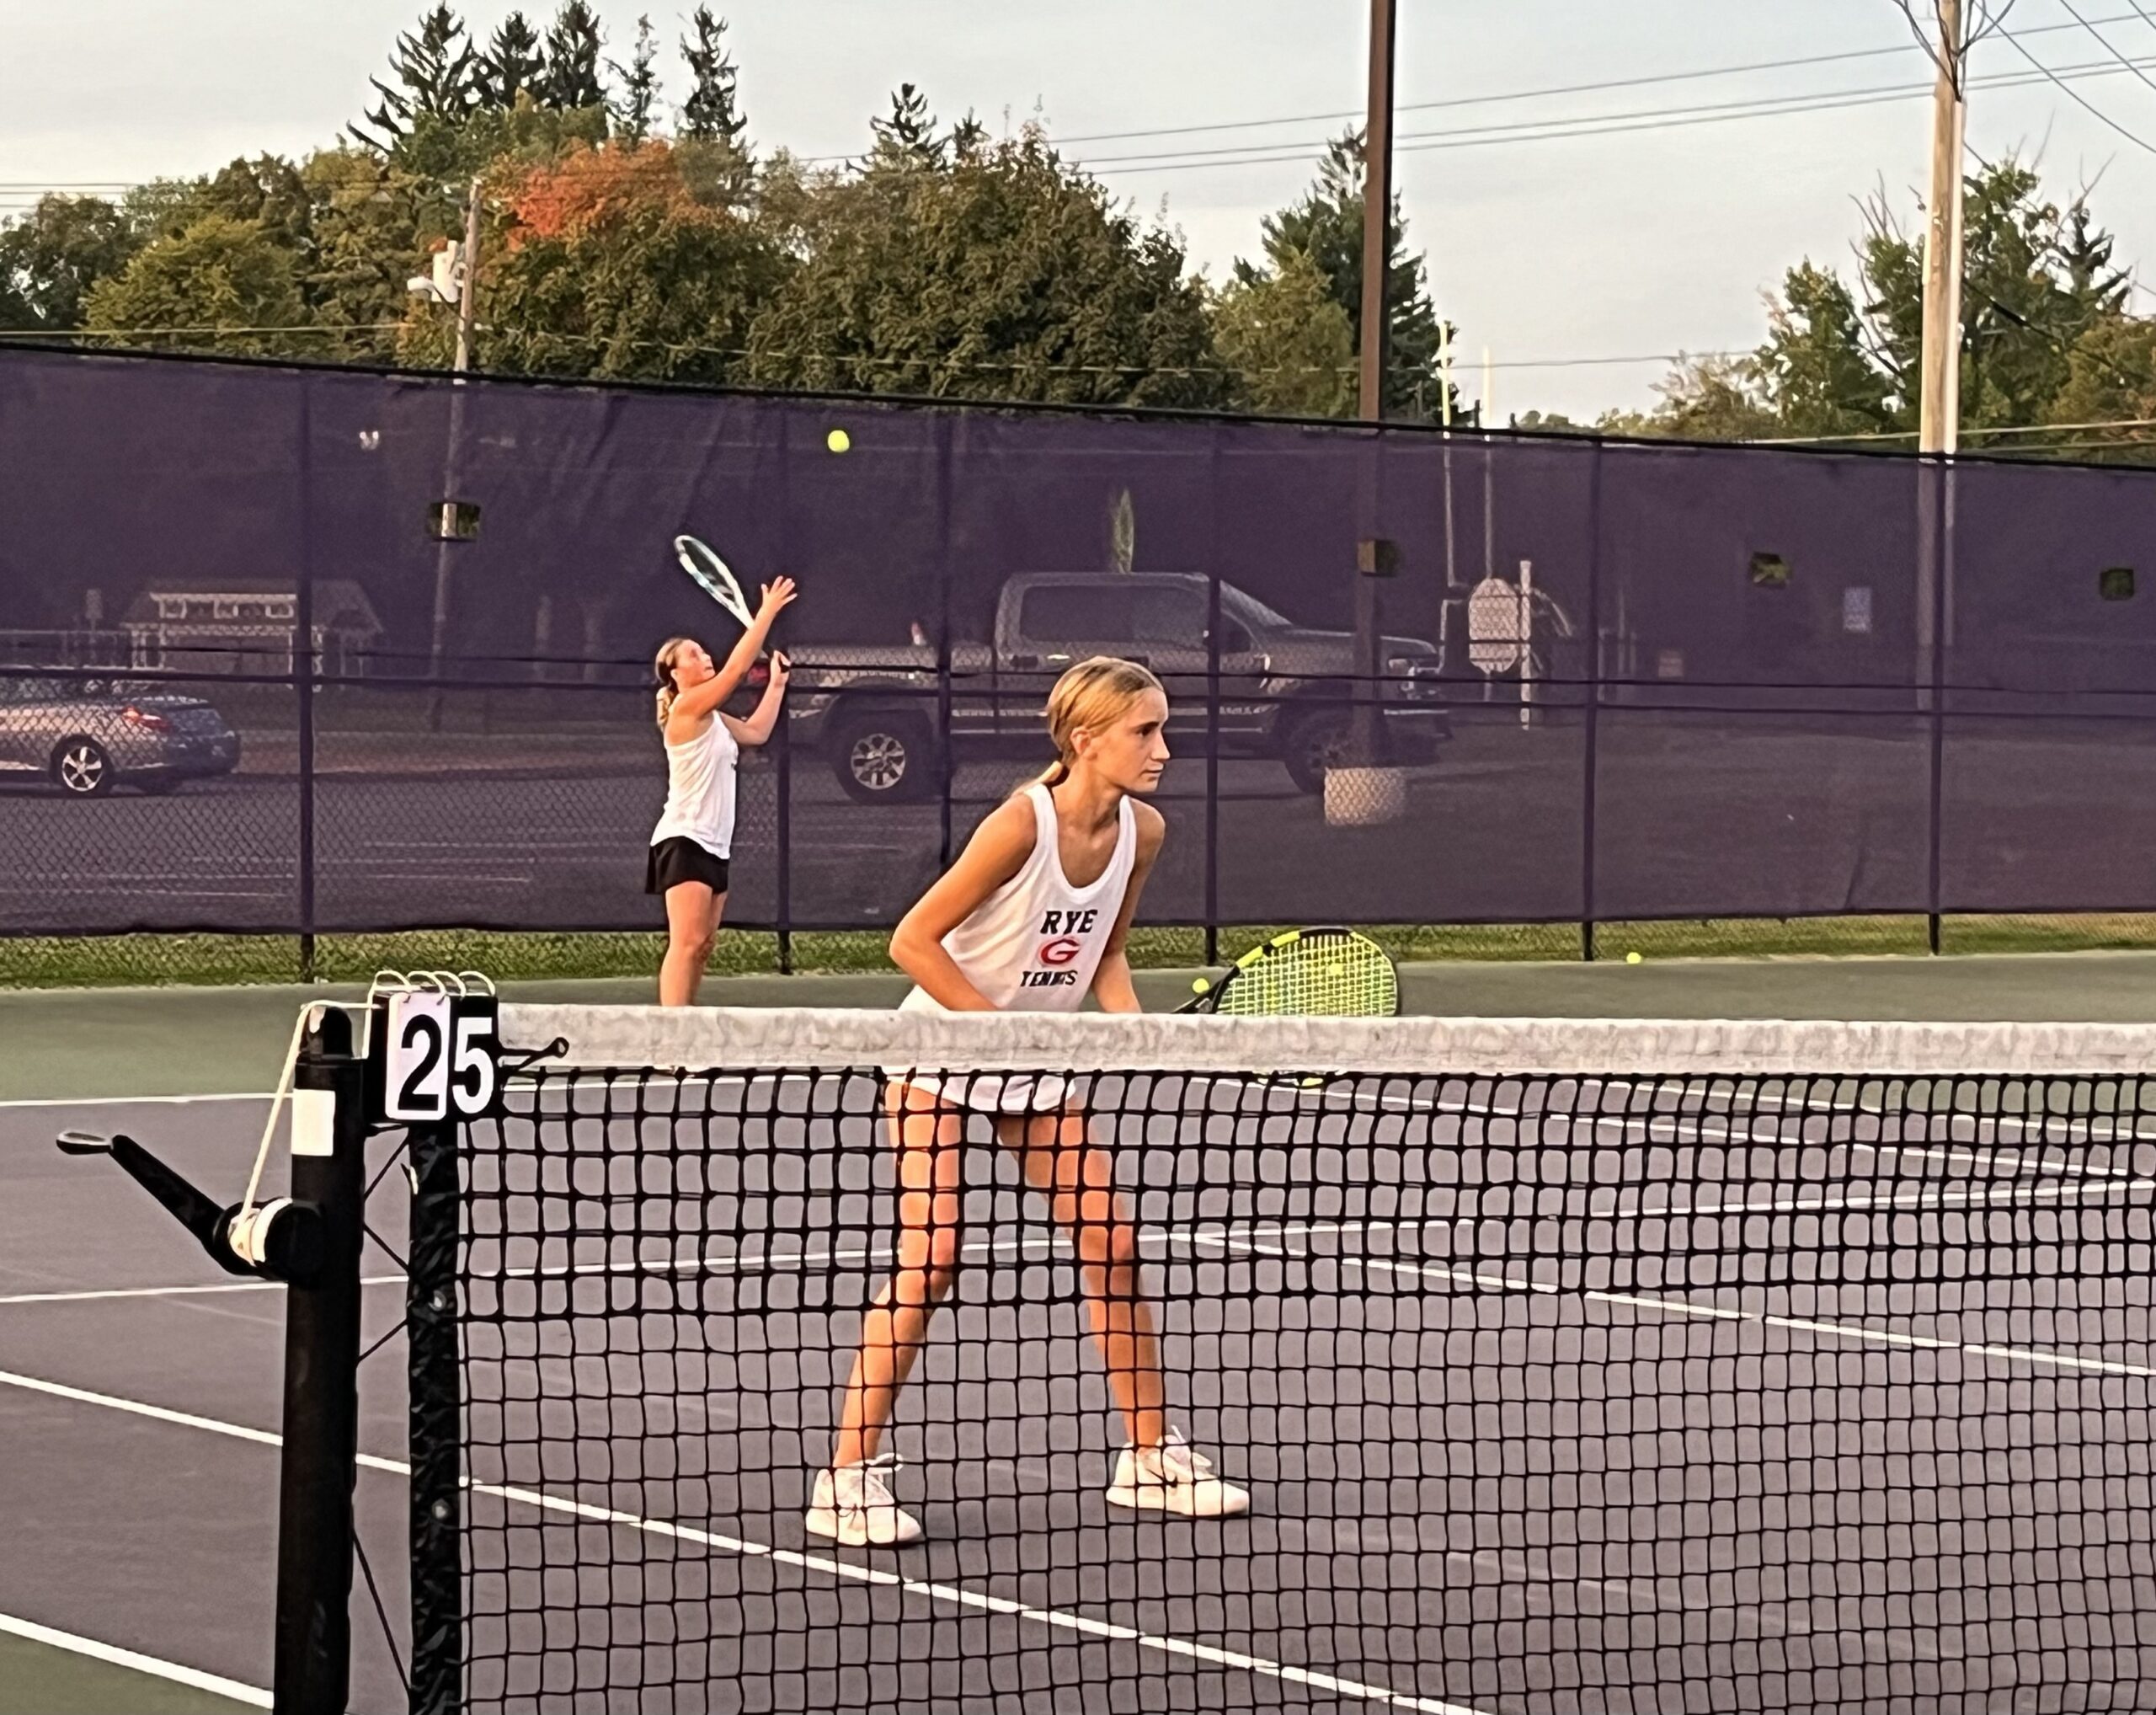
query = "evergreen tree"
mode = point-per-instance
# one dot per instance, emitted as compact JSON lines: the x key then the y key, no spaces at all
{"x":639,"y":94}
{"x":713,"y":109}
{"x":437,"y":79}
{"x":1287,"y":340}
{"x":571,"y":79}
{"x":512,"y":65}
{"x":1326,"y":227}
{"x":911,"y":130}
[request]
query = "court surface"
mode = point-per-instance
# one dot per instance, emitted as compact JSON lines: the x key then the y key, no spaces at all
{"x":139,"y":1397}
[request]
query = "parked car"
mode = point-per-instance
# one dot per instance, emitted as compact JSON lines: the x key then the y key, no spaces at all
{"x":88,"y":735}
{"x":1286,"y":690}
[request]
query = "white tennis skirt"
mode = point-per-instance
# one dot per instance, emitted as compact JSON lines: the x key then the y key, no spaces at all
{"x":993,"y":1092}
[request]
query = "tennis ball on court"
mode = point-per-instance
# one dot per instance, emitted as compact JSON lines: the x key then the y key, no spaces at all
{"x":1631,"y":958}
{"x":838,"y":441}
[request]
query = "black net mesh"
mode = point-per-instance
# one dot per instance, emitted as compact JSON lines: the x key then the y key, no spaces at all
{"x":1820,"y":1390}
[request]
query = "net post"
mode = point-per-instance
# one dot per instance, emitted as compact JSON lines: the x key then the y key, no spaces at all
{"x":319,"y":1465}
{"x":435,"y":1423}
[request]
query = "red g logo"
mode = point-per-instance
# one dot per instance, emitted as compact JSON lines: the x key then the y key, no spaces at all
{"x":1063,"y":950}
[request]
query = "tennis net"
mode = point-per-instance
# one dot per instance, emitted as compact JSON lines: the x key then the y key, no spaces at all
{"x":1567,"y":1366}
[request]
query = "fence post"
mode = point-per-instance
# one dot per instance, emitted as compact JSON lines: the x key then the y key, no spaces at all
{"x":947,"y":764}
{"x":1937,"y":475}
{"x":302,"y":672}
{"x":1213,"y":760}
{"x":1591,"y":743}
{"x":784,"y":913}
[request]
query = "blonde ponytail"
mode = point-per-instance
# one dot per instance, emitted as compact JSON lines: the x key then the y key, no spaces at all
{"x":662,"y":669}
{"x":1094,"y":694}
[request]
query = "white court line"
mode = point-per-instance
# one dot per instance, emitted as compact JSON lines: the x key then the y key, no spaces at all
{"x":192,"y":1677}
{"x":92,"y":1297}
{"x":1649,"y":1128}
{"x":1055,"y":1243}
{"x":131,"y":1101}
{"x":1679,"y":1307}
{"x":956,"y":1596}
{"x":1706,"y":1127}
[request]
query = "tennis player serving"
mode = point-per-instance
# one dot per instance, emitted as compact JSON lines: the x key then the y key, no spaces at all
{"x":1033,"y":917}
{"x":691,"y":848}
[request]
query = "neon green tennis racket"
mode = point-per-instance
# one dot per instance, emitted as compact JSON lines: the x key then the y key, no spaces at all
{"x":1305,"y":973}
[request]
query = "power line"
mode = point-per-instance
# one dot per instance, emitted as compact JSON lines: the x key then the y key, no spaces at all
{"x":1595,"y":87}
{"x":1651,"y":119}
{"x":2076,"y":95}
{"x":2107,"y":43}
{"x":836,"y":357}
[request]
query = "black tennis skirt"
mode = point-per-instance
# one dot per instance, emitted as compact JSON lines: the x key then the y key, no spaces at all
{"x":679,"y":859}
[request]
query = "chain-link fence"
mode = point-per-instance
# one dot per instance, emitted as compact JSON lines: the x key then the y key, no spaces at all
{"x":317,"y":668}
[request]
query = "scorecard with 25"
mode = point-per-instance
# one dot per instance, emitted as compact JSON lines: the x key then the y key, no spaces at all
{"x":434,"y":1056}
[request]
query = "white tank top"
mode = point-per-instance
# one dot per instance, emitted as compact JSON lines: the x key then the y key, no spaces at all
{"x":699,"y":790}
{"x":1033,"y":944}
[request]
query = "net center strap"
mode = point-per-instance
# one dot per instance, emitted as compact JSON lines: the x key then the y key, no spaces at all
{"x":714,"y":1038}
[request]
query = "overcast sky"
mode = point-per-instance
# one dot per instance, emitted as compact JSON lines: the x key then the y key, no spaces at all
{"x":1633,"y":243}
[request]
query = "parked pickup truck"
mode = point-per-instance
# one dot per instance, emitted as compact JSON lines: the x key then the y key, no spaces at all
{"x":873,"y":713}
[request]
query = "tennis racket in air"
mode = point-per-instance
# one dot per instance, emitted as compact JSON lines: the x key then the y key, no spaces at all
{"x":1305,"y":973}
{"x":713,"y":577}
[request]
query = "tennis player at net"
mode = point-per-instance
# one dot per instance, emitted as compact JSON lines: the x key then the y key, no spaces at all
{"x":1031,"y":918}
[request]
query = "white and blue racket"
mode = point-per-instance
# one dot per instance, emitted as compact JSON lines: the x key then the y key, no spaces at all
{"x":711,"y":576}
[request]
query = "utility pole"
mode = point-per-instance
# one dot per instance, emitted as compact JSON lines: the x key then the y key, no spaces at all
{"x":1938,"y":405}
{"x":1366,"y":791}
{"x":446,"y":527}
{"x":1377,"y":210}
{"x":1938,"y":419}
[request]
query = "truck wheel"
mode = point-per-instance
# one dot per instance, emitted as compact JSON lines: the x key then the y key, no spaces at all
{"x":884,"y":757}
{"x":1315,"y":742}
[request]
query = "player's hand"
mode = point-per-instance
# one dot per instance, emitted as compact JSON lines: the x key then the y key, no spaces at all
{"x":777,"y":594}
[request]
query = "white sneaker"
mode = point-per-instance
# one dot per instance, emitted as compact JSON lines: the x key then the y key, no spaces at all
{"x":853,"y":1505}
{"x":1174,"y":1479}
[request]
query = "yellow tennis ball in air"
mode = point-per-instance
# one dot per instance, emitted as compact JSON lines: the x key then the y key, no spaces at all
{"x":1631,"y":958}
{"x":838,"y":441}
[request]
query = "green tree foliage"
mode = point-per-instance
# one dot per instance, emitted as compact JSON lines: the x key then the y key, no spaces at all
{"x":1708,"y":397}
{"x":1326,"y":227}
{"x":632,"y":109}
{"x":990,"y":271}
{"x":713,"y":112}
{"x":372,"y":226}
{"x":571,"y":79}
{"x":1816,"y":368}
{"x":221,"y":285}
{"x":609,"y":264}
{"x":438,"y":77}
{"x":512,"y":65}
{"x":2046,"y":336}
{"x":1291,"y":346}
{"x":51,"y":259}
